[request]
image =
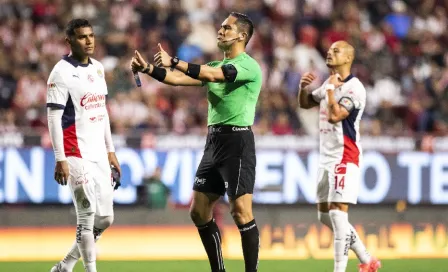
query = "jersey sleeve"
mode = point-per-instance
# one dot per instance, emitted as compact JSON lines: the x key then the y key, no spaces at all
{"x":57,"y":91}
{"x":353,"y":98}
{"x":246,"y":71}
{"x":102,"y":75}
{"x":241,"y":71}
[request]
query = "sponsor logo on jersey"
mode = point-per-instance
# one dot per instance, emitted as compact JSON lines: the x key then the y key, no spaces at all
{"x":98,"y":118}
{"x":92,"y":101}
{"x":340,"y":168}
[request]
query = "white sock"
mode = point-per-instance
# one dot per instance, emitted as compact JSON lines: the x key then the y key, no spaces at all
{"x":358,"y":246}
{"x":101,"y":223}
{"x":339,"y":220}
{"x":69,"y":262}
{"x":86,"y":242}
{"x":355,"y":244}
{"x":90,"y":266}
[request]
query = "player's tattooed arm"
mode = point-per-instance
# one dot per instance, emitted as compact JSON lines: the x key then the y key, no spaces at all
{"x":306,"y":100}
{"x":336,"y":111}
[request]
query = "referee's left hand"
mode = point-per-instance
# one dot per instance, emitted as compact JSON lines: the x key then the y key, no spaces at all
{"x":161,"y":58}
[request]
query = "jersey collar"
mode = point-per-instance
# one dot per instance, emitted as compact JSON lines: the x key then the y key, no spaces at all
{"x":345,"y":80}
{"x":242,"y":55}
{"x":74,"y":62}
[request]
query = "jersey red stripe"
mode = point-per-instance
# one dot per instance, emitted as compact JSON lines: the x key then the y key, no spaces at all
{"x":71,"y":147}
{"x":351,"y":151}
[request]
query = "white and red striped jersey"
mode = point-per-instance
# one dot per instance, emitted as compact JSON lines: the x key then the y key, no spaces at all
{"x":80,"y":90}
{"x":340,"y":142}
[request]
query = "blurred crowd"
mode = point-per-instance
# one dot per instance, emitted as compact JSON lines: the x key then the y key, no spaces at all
{"x":401,"y":58}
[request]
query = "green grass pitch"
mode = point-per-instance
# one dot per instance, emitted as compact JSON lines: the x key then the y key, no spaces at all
{"x":405,"y":265}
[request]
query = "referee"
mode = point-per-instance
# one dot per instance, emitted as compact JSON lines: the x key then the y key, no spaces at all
{"x":228,"y":164}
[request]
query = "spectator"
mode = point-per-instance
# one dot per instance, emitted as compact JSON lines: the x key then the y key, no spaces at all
{"x":400,"y":58}
{"x":156,"y":191}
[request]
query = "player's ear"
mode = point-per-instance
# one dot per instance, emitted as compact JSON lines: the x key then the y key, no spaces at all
{"x":67,"y":40}
{"x":242,"y":36}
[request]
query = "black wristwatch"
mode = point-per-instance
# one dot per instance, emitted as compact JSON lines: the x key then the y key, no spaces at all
{"x":174,"y":62}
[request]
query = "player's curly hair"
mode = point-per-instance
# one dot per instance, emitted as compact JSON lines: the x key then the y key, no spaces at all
{"x":244,"y":24}
{"x":74,"y":24}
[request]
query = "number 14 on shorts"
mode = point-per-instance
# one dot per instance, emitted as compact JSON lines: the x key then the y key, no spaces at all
{"x":339,"y":176}
{"x":339,"y":182}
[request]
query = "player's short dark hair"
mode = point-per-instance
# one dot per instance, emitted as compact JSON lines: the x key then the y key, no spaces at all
{"x":244,"y":23}
{"x":74,"y":24}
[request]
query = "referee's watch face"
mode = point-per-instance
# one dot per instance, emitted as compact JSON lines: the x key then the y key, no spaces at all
{"x":83,"y":42}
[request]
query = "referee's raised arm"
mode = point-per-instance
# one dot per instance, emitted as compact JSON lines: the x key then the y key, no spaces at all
{"x":170,"y":77}
{"x":204,"y":73}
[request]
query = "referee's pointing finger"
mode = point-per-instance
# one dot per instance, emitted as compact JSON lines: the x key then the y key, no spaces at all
{"x":138,"y":56}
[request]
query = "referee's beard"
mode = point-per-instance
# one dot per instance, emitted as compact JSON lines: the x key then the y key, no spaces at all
{"x":225,"y":46}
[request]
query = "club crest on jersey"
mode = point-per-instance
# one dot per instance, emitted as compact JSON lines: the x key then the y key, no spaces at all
{"x":51,"y":85}
{"x":100,"y":73}
{"x":90,"y":78}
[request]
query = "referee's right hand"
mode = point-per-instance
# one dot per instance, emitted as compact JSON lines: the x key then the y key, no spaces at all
{"x":138,"y":64}
{"x":306,"y":80}
{"x":61,"y":172}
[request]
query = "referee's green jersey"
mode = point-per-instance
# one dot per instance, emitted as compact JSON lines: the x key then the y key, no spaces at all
{"x":233,"y":103}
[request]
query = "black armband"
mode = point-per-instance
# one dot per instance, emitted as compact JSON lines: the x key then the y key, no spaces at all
{"x":193,"y":70}
{"x":158,"y":73}
{"x":229,"y":72}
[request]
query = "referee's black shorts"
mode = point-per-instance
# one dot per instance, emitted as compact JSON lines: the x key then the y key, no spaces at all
{"x":228,"y":163}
